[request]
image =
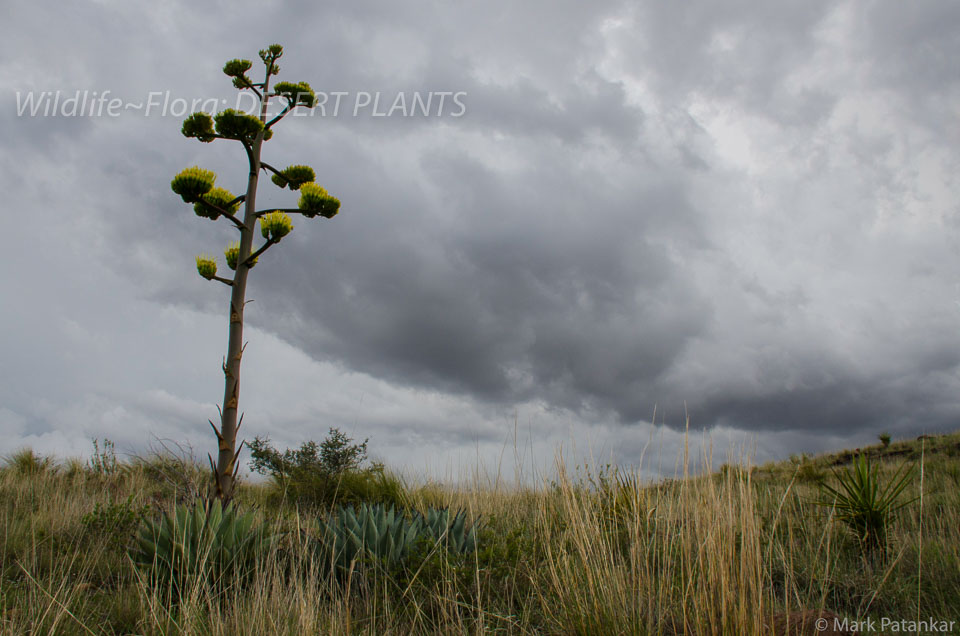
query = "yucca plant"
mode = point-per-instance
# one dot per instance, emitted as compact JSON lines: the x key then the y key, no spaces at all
{"x":380,"y":533}
{"x":863,"y":503}
{"x":209,"y":543}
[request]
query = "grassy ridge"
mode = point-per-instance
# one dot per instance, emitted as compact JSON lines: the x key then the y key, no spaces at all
{"x":592,"y":553}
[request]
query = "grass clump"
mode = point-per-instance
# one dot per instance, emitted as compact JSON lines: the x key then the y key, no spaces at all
{"x":28,"y":464}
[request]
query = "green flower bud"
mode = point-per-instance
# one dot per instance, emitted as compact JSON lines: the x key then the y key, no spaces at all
{"x":275,"y":225}
{"x":234,"y":124}
{"x":298,"y":175}
{"x":219,"y":197}
{"x":285,"y":89}
{"x":198,"y":125}
{"x":294,"y":177}
{"x":237,"y":68}
{"x":316,"y":200}
{"x":192,"y":183}
{"x":298,"y":94}
{"x":232,"y":254}
{"x":273,"y":51}
{"x":206,"y":266}
{"x":307,"y":97}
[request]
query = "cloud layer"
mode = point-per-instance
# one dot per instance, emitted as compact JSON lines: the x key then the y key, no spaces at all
{"x":746,"y":213}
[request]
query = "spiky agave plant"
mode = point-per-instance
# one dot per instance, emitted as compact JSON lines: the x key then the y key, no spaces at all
{"x":453,"y":534}
{"x":351,"y":534}
{"x":380,"y":533}
{"x":863,"y":503}
{"x":209,"y":545}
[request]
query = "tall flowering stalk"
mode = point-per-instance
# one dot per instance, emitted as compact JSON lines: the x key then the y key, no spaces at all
{"x":196,"y":185}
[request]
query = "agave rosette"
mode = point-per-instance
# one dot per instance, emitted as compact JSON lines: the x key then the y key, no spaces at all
{"x":215,"y":544}
{"x":381,"y":534}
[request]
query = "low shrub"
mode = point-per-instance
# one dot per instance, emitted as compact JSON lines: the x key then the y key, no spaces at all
{"x":116,"y":519}
{"x":327,"y":474}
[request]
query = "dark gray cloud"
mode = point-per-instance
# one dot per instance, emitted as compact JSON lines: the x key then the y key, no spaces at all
{"x":743,"y":212}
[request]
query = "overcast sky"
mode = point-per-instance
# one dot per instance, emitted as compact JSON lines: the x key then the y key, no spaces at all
{"x":747,"y":213}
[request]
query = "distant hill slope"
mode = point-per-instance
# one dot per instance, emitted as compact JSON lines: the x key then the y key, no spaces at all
{"x":934,"y":448}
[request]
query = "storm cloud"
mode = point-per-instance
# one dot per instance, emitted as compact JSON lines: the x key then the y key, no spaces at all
{"x":741,"y":213}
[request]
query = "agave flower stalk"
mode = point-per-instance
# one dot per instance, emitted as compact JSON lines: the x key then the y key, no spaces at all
{"x":196,"y":185}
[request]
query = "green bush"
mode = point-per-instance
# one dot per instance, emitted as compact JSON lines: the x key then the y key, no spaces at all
{"x":333,"y":456}
{"x":372,"y":485}
{"x":116,"y":519}
{"x":326,"y":474}
{"x":808,"y":471}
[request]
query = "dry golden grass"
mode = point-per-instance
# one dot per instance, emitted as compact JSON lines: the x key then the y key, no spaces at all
{"x":701,"y":554}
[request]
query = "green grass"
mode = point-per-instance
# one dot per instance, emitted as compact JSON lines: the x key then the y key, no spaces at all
{"x":600,"y":553}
